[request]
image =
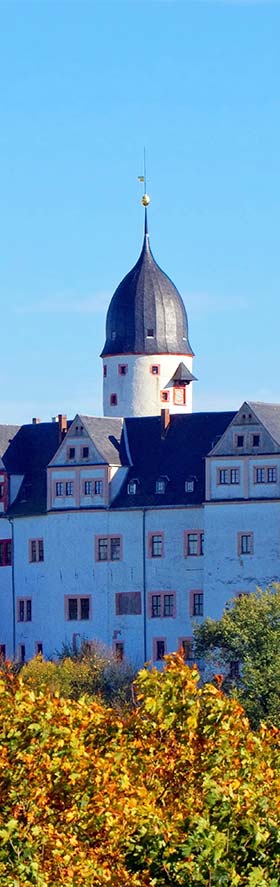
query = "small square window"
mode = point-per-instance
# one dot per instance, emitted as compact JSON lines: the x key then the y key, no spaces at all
{"x":164,"y":396}
{"x":189,"y":485}
{"x":113,"y":400}
{"x":160,"y":485}
{"x":132,"y":487}
{"x":155,"y":369}
{"x":123,"y":369}
{"x":150,"y":333}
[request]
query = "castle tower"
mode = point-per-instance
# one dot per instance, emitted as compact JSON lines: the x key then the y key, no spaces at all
{"x":147,"y":357}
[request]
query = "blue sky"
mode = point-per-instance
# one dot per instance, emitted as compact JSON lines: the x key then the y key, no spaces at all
{"x":83,"y":86}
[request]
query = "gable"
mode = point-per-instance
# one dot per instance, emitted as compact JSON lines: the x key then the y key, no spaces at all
{"x":246,"y":434}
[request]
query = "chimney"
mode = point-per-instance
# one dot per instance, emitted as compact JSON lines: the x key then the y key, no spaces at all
{"x":36,"y":421}
{"x":164,"y":422}
{"x":62,"y":421}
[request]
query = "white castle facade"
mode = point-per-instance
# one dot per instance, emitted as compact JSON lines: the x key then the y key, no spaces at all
{"x":130,"y":528}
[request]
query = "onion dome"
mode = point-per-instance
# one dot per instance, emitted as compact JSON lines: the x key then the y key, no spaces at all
{"x":146,"y":314}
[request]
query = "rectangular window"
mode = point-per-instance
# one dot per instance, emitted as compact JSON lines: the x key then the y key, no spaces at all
{"x":59,"y":488}
{"x":38,"y":648}
{"x":103,"y":549}
{"x":87,"y":487}
{"x":272,"y":475}
{"x":123,"y":368}
{"x":265,"y":474}
{"x":160,"y":485}
{"x":5,"y":553}
{"x":105,"y":371}
{"x":69,"y":488}
{"x":162,"y":604}
{"x":85,"y":452}
{"x":189,"y":485}
{"x":255,"y":441}
{"x":98,"y":487}
{"x":179,"y":396}
{"x":36,"y":550}
{"x":21,"y":652}
{"x":113,"y":400}
{"x":239,"y":440}
{"x":245,"y":543}
{"x":155,"y":369}
{"x":132,"y":487}
{"x":108,"y":548}
{"x":186,"y":644}
{"x":194,"y":542}
{"x":115,"y":548}
{"x":150,"y":333}
{"x":159,"y":649}
{"x":128,"y":603}
{"x":119,"y":650}
{"x":156,"y":544}
{"x":156,"y":605}
{"x":196,"y":603}
{"x":164,"y":396}
{"x":260,"y":475}
{"x":1,"y":491}
{"x":71,"y":453}
{"x":24,"y":610}
{"x":77,"y":608}
{"x":228,"y":476}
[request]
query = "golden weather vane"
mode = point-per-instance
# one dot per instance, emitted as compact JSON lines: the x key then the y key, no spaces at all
{"x":145,"y":199}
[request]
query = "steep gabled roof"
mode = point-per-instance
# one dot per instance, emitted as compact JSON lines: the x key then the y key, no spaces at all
{"x":269,"y":415}
{"x":29,"y":454}
{"x":178,"y":454}
{"x":107,"y":436}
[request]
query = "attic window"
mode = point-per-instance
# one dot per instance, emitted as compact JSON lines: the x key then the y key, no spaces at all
{"x":150,"y":333}
{"x":132,"y":487}
{"x":161,"y":485}
{"x":239,"y":440}
{"x":189,"y":485}
{"x":71,"y":453}
{"x":255,"y":442}
{"x":85,"y":452}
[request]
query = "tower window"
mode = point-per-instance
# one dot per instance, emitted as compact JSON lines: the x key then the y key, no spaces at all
{"x":164,"y":396}
{"x":113,"y":400}
{"x":123,"y":368}
{"x":150,"y":333}
{"x":105,"y":370}
{"x":155,"y":369}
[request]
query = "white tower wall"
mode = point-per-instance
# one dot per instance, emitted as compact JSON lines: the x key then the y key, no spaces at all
{"x":131,"y":387}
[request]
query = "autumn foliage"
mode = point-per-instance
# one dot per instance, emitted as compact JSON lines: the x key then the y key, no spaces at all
{"x":178,"y":791}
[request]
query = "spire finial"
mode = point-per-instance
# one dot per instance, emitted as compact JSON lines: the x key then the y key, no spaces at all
{"x":145,"y":200}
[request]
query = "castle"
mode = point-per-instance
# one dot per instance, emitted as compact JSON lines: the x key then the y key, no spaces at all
{"x":130,"y":528}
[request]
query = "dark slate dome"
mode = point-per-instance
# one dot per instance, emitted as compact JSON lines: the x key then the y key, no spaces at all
{"x":146,"y":314}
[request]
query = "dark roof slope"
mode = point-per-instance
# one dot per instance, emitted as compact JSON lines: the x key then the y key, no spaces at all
{"x":146,"y":300}
{"x":269,"y":415}
{"x":178,"y":455}
{"x":29,"y":454}
{"x":106,"y":434}
{"x":7,"y":433}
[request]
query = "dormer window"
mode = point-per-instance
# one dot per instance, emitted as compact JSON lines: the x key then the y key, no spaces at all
{"x":189,"y":485}
{"x":161,"y":485}
{"x":132,"y":487}
{"x":150,"y":333}
{"x":114,"y":335}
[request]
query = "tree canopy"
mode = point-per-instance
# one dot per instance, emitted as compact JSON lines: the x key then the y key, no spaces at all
{"x":245,"y":645}
{"x":177,"y":792}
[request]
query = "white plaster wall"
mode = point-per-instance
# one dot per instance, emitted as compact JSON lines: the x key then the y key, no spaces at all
{"x":225,"y":572}
{"x":225,"y":491}
{"x":6,"y":596}
{"x":266,"y":490}
{"x":69,"y":568}
{"x":138,"y":392}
